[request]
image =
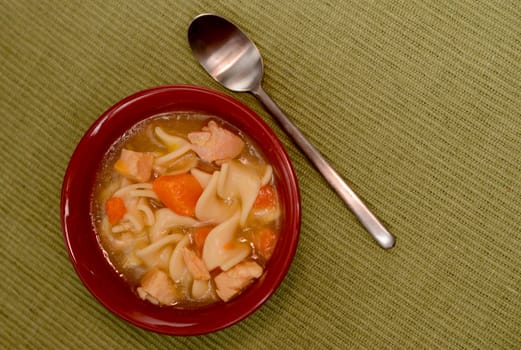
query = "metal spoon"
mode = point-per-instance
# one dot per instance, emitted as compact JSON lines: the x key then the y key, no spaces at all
{"x":233,"y":60}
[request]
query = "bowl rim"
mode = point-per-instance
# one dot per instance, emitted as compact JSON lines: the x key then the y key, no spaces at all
{"x":73,"y":186}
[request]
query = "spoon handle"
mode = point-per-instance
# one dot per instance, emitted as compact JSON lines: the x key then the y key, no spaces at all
{"x":364,"y":215}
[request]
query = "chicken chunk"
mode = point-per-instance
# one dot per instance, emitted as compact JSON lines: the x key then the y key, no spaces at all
{"x":136,"y":166}
{"x":157,"y":285}
{"x":232,"y":282}
{"x":195,"y":265}
{"x":214,"y":143}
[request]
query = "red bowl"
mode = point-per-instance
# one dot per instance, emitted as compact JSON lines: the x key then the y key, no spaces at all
{"x":79,"y":234}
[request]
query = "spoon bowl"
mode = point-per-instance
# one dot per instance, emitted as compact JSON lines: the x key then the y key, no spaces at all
{"x":233,"y":60}
{"x":226,"y":53}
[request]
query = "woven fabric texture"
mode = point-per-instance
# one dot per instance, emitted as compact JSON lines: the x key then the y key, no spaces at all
{"x":416,"y":103}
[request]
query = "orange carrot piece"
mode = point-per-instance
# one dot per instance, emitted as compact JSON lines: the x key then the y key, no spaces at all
{"x":178,"y":192}
{"x":200,"y":237}
{"x":264,"y":241}
{"x":228,"y":245}
{"x":115,"y":209}
{"x":266,"y":198}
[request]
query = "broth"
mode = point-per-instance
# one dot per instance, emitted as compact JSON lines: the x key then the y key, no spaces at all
{"x":186,"y":209}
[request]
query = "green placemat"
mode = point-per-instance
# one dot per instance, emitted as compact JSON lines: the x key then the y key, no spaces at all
{"x":417,"y":104}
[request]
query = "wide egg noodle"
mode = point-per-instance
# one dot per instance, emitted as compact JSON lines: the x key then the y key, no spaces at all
{"x":201,"y":176}
{"x":177,"y":146}
{"x":166,"y":220}
{"x":237,"y":180}
{"x":147,"y":212}
{"x":201,"y":289}
{"x":182,"y":165}
{"x":211,"y":207}
{"x":220,"y":249}
{"x":158,"y":245}
{"x":172,"y":142}
{"x":177,"y":267}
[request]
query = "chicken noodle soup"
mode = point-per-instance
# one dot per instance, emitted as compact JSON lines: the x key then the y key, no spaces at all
{"x":186,"y":209}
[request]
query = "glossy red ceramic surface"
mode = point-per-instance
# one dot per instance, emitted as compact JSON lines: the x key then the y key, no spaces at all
{"x":80,"y":237}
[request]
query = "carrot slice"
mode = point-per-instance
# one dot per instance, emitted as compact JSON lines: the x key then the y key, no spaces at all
{"x":200,"y":237}
{"x":264,"y":241}
{"x":266,"y":198}
{"x":228,"y":245}
{"x":178,"y":192}
{"x":115,"y":209}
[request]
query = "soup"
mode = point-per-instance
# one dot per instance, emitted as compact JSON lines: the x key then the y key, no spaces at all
{"x":186,"y":209}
